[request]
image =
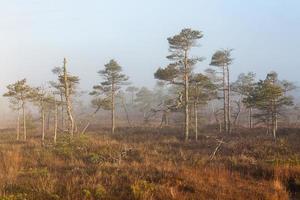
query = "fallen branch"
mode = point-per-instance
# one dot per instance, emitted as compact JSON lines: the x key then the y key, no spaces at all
{"x":220,"y":142}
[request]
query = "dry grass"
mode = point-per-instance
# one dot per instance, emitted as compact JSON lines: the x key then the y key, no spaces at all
{"x":146,"y":163}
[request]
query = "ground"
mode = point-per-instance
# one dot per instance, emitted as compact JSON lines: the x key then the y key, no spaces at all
{"x":151,"y":163}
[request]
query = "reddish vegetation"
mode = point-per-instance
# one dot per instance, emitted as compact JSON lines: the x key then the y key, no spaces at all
{"x":148,"y":163}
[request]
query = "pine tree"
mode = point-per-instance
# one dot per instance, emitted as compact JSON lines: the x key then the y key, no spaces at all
{"x":106,"y":91}
{"x":19,"y":93}
{"x":201,"y":91}
{"x":43,"y":100}
{"x":245,"y":85}
{"x":68,"y":84}
{"x":144,"y":101}
{"x":222,"y":59}
{"x":180,"y":70}
{"x":270,"y":99}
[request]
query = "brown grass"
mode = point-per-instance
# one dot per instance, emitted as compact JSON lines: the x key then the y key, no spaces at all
{"x":148,"y":163}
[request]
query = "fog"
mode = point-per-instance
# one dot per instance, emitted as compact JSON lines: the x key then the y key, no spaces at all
{"x":36,"y":35}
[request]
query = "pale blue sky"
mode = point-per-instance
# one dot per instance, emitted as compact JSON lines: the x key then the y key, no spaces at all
{"x":35,"y":35}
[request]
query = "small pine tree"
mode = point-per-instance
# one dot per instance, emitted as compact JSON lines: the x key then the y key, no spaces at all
{"x":106,"y":91}
{"x":19,"y":93}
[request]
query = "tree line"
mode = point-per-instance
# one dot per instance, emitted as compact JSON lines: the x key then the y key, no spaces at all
{"x":181,"y":90}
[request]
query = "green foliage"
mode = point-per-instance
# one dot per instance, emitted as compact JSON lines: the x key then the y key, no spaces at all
{"x":179,"y":46}
{"x":113,"y":79}
{"x":69,"y":149}
{"x":202,"y":89}
{"x":269,"y":98}
{"x":221,"y":58}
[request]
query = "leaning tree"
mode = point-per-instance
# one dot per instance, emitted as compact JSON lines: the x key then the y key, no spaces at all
{"x":178,"y":72}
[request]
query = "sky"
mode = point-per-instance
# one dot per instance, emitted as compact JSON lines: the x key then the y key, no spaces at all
{"x":35,"y":36}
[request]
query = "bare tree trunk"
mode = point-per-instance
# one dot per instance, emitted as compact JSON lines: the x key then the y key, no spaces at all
{"x":62,"y":112}
{"x":55,"y":120}
{"x":68,"y":100}
{"x":112,"y":108}
{"x":196,"y":120}
{"x":24,"y":121}
{"x":274,"y":126}
{"x":48,"y":119}
{"x":228,"y":101}
{"x":186,"y":95}
{"x":225,"y":101}
{"x":43,"y":125}
{"x":132,"y":98}
{"x":237,"y":115}
{"x":274,"y":120}
{"x":250,"y":117}
{"x":125,"y":110}
{"x":18,"y":125}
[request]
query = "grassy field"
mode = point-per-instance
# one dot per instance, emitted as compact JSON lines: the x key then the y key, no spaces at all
{"x":151,"y":163}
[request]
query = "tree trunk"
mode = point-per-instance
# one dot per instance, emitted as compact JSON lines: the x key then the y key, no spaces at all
{"x":68,"y":100}
{"x":62,"y":112}
{"x":43,"y":125}
{"x":125,"y":110}
{"x":18,"y":125}
{"x":48,"y":119}
{"x":225,"y":101}
{"x":274,"y":121}
{"x":24,"y":121}
{"x":250,"y":117}
{"x":112,"y":108}
{"x":196,"y":120}
{"x":228,"y":101}
{"x":186,"y":96}
{"x":55,"y":120}
{"x":274,"y":126}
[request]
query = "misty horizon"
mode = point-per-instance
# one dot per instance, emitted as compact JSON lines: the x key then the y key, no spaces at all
{"x":37,"y":35}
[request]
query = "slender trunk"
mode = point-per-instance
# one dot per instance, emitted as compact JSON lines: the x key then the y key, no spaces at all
{"x":132,"y":98}
{"x":274,"y":120}
{"x":18,"y":125}
{"x":48,"y":120}
{"x":125,"y":110}
{"x":68,"y":100}
{"x":274,"y":126}
{"x":55,"y":120}
{"x":43,"y":125}
{"x":250,"y":117}
{"x":62,"y":112}
{"x":225,"y":101}
{"x":186,"y":95}
{"x":228,"y":101}
{"x":24,"y":121}
{"x":112,"y":108}
{"x":196,"y":120}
